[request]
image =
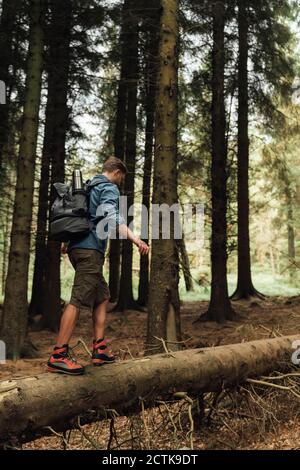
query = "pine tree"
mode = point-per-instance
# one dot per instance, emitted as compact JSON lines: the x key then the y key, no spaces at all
{"x":151,"y":26}
{"x":59,"y":37}
{"x":245,"y":288}
{"x":9,"y":14}
{"x":119,"y":142}
{"x":281,"y":176}
{"x":68,"y":53}
{"x":126,"y":299}
{"x":164,"y":305}
{"x":14,"y":318}
{"x":263,"y":20}
{"x":219,"y":309}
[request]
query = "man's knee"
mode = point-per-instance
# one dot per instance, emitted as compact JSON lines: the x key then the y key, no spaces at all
{"x":100,"y":303}
{"x":84,"y":290}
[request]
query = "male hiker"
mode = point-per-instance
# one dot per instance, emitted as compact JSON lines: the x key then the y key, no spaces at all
{"x":90,"y":289}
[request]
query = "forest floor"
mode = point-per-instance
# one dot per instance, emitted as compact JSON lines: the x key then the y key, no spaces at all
{"x":251,"y":417}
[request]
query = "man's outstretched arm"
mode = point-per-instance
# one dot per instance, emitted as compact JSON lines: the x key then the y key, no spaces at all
{"x":109,"y":208}
{"x":125,"y":232}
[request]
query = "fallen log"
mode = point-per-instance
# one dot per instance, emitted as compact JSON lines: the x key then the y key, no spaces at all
{"x":29,"y":405}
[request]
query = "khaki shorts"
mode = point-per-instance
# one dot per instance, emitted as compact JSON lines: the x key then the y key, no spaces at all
{"x":89,"y":288}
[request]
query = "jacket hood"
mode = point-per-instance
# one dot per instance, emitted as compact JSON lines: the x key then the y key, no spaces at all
{"x":99,"y":179}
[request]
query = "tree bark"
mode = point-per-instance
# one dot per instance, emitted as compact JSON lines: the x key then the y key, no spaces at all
{"x":152,"y":25}
{"x":8,"y":18}
{"x":245,"y":288}
{"x":120,"y":125}
{"x":219,"y":309}
{"x":28,"y":405}
{"x":185,"y":264}
{"x":5,"y":235}
{"x":59,"y":38}
{"x":164,"y":304}
{"x":126,"y":299}
{"x":119,"y":145}
{"x":290,"y":229}
{"x":38,"y":284}
{"x":14,"y":319}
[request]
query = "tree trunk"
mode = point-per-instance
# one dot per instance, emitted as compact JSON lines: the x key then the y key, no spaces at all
{"x":5,"y":235}
{"x":164,"y":304}
{"x":14,"y":319}
{"x":9,"y":196}
{"x":272,"y":259}
{"x":185,"y":264}
{"x":292,"y":251}
{"x":8,"y":18}
{"x":245,"y":288}
{"x":290,"y":230}
{"x":119,"y":145}
{"x":36,"y":304}
{"x":152,"y":24}
{"x":120,"y":125}
{"x":30,"y":404}
{"x":126,"y":300}
{"x":219,"y":309}
{"x":59,"y":38}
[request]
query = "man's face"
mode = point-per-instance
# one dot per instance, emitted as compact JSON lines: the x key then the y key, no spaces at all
{"x":118,"y":177}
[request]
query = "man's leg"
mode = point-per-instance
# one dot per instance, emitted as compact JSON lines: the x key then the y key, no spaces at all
{"x":83,"y":286}
{"x":60,"y":360}
{"x":102,"y":354}
{"x":67,"y":324}
{"x":99,"y":317}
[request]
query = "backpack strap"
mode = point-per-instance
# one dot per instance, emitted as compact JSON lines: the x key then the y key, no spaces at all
{"x":88,"y":187}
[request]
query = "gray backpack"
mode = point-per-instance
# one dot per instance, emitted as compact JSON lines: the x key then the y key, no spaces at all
{"x":69,"y":215}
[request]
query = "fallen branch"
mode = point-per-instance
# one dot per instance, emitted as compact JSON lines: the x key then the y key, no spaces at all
{"x":29,"y":405}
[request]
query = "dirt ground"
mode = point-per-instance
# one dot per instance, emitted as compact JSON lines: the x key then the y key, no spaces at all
{"x":252,"y":417}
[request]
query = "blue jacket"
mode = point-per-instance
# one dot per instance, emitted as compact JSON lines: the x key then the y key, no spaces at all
{"x":104,"y":204}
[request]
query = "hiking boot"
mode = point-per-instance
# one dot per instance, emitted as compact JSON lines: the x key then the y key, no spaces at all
{"x":102,"y":354}
{"x":62,"y":362}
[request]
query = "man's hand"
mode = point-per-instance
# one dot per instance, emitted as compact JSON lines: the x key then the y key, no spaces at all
{"x":142,"y":246}
{"x":127,"y":233}
{"x":63,"y":248}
